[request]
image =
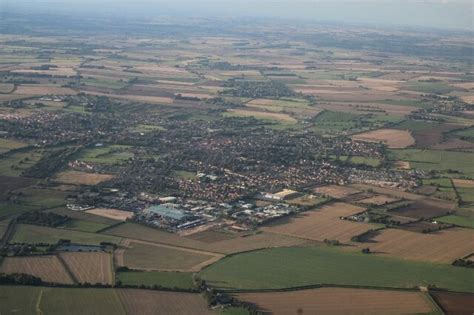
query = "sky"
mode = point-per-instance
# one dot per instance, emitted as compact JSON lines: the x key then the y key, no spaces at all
{"x":442,"y":14}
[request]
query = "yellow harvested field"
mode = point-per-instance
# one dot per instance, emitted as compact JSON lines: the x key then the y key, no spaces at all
{"x":139,"y":98}
{"x":464,"y":85}
{"x":464,"y":183}
{"x":81,"y":178}
{"x":43,"y":90}
{"x":89,"y":267}
{"x":148,"y":302}
{"x":321,"y":224}
{"x":342,"y":301}
{"x":335,"y":191}
{"x":393,"y":138}
{"x":60,"y":71}
{"x":115,"y":214}
{"x":48,"y":268}
{"x":443,"y":246}
{"x":6,"y":88}
{"x":263,"y":115}
{"x":468,"y":98}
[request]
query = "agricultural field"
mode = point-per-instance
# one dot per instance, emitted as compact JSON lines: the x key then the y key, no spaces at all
{"x":454,"y":303}
{"x":149,"y":256}
{"x":81,"y":178}
{"x":10,"y":144}
{"x":335,"y":301}
{"x":300,"y":266}
{"x":393,"y":138}
{"x":89,"y":267}
{"x":182,"y":280}
{"x":321,"y":224}
{"x":33,"y":234}
{"x":114,"y":214}
{"x":84,"y":226}
{"x":443,"y":246}
{"x":48,"y":268}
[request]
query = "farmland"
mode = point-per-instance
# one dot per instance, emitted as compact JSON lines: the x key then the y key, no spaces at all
{"x":48,"y":268}
{"x":89,"y":267}
{"x":302,"y":167}
{"x":291,"y":267}
{"x":334,"y":301}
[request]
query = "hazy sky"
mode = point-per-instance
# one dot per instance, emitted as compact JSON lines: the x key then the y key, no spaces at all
{"x":433,"y":13}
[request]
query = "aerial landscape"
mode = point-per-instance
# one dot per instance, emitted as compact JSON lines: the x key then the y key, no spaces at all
{"x":206,"y":165}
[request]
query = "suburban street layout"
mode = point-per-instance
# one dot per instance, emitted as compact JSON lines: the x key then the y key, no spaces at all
{"x":212,"y":165}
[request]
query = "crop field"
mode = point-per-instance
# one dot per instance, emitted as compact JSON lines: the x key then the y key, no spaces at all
{"x":43,"y":198}
{"x":378,"y":200}
{"x":279,"y":117}
{"x":464,"y":220}
{"x":240,"y":243}
{"x":84,"y":226}
{"x":441,"y":161}
{"x":82,"y":178}
{"x":394,"y":192}
{"x":150,"y":256}
{"x":48,"y":268}
{"x":89,"y":267}
{"x":321,"y":224}
{"x":83,"y":216}
{"x":19,"y":299}
{"x":10,"y":144}
{"x":182,"y":280}
{"x":427,"y":208}
{"x":8,"y":183}
{"x":337,"y":192}
{"x":341,"y":301}
{"x":393,"y":138}
{"x":211,"y":236}
{"x":33,"y":234}
{"x":15,"y":164}
{"x":454,"y":303}
{"x":114,"y":214}
{"x":299,"y":266}
{"x":441,"y":247}
{"x":155,"y":302}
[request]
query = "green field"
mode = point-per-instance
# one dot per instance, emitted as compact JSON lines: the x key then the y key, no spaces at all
{"x":442,"y":161}
{"x":33,"y":234}
{"x":365,"y":161}
{"x":10,"y":144}
{"x":106,"y":155}
{"x":18,"y":299}
{"x":182,"y":280}
{"x":15,"y":164}
{"x":85,"y":226}
{"x":429,"y":87}
{"x":300,"y":266}
{"x":444,"y":188}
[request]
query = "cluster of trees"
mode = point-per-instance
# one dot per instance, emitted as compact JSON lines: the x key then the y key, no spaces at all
{"x":50,"y":163}
{"x":42,"y":218}
{"x":464,"y":263}
{"x":20,"y":278}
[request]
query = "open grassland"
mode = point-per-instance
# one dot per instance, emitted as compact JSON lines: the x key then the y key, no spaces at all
{"x":43,"y":198}
{"x":393,"y":138}
{"x":341,"y":301}
{"x":300,"y":266}
{"x":114,"y":214}
{"x":82,"y":178}
{"x":150,"y":256}
{"x":15,"y":164}
{"x":48,"y":268}
{"x":454,"y":303}
{"x":182,"y":280}
{"x":441,"y":161}
{"x":10,"y":144}
{"x":441,"y":247}
{"x":43,"y":300}
{"x":464,"y":219}
{"x":33,"y":234}
{"x":335,"y":191}
{"x":83,"y":216}
{"x":89,"y":267}
{"x":113,"y":154}
{"x":243,"y":242}
{"x":84,"y":226}
{"x":321,"y":224}
{"x":148,"y":302}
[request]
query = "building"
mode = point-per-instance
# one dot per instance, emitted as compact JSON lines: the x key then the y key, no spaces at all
{"x":167,"y":213}
{"x":282,"y":195}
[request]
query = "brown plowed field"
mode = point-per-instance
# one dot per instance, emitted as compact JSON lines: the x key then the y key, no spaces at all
{"x":340,"y":301}
{"x":48,"y":268}
{"x":442,"y":247}
{"x":90,"y":267}
{"x":393,"y":138}
{"x":455,"y":303}
{"x":321,"y":224}
{"x":146,"y":302}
